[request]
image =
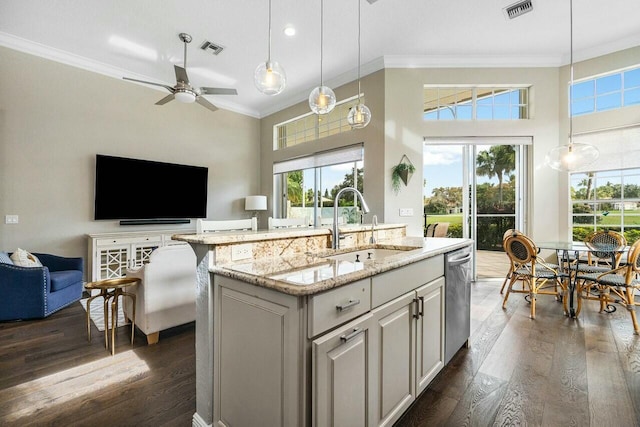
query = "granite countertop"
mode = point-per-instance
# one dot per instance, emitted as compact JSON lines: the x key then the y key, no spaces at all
{"x":312,"y":273}
{"x":227,"y":237}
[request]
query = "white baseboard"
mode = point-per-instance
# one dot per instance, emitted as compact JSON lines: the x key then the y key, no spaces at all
{"x":199,"y":422}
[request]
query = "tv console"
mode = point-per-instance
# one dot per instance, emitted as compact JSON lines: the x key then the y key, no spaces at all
{"x":111,"y":253}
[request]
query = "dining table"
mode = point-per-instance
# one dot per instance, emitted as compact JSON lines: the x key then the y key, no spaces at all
{"x":569,"y":265}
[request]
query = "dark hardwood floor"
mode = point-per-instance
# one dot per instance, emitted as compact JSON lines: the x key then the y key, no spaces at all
{"x":551,"y":371}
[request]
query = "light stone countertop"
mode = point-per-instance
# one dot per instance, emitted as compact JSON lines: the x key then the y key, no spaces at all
{"x":226,"y":237}
{"x":312,"y":273}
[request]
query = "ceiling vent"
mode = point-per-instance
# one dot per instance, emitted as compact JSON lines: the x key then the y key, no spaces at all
{"x":518,"y":9}
{"x":211,"y":47}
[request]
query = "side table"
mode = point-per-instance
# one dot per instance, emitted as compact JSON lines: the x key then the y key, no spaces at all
{"x":111,"y":290}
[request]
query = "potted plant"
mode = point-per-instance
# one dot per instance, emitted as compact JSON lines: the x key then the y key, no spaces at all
{"x":401,"y":172}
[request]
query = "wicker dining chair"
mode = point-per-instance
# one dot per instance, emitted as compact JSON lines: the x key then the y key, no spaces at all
{"x":600,"y":260}
{"x":618,"y":285}
{"x":508,"y":233}
{"x":537,"y":277}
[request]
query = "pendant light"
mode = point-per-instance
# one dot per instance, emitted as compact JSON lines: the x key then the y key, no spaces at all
{"x":322,"y":99}
{"x":270,"y":77}
{"x":571,"y":156}
{"x":359,"y":115}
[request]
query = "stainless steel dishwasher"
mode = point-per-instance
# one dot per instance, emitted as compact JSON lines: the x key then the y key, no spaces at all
{"x":457,"y":301}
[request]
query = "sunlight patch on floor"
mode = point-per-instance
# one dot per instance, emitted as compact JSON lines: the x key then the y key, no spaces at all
{"x":36,"y":396}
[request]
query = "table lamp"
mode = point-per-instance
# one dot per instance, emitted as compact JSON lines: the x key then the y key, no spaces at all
{"x":255,"y":204}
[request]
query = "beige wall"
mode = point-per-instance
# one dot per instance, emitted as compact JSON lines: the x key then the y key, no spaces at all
{"x":55,"y":118}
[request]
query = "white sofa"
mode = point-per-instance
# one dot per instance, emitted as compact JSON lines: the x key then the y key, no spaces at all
{"x":166,"y":296}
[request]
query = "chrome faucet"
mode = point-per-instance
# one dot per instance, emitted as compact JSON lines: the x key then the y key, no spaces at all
{"x":336,"y":236}
{"x":374,"y":223}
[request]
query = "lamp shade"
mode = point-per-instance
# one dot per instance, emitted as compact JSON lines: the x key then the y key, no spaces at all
{"x":270,"y":78}
{"x":255,"y":203}
{"x":571,"y":157}
{"x":322,"y":100}
{"x":185,"y":97}
{"x":359,"y":116}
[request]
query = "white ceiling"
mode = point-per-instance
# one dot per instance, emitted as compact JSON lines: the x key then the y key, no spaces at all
{"x":395,"y":33}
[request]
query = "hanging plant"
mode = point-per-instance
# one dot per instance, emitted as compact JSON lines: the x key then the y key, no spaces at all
{"x":402,"y":172}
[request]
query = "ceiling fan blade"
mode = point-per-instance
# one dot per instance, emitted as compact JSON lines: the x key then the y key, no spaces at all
{"x":169,"y":88}
{"x":166,"y":99}
{"x":217,"y":91}
{"x":181,"y":74}
{"x":200,"y":100}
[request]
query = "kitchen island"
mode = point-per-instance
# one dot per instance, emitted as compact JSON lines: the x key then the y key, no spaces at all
{"x":299,"y":335}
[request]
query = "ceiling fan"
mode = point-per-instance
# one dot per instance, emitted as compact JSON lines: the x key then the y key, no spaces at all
{"x":183,"y":91}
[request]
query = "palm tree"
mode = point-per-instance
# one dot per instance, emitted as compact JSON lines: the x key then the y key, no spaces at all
{"x":497,"y":161}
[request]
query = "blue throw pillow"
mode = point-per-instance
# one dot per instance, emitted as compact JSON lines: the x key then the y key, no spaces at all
{"x":4,"y":258}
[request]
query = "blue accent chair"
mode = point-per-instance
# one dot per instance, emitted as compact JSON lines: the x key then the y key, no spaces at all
{"x":37,"y":292}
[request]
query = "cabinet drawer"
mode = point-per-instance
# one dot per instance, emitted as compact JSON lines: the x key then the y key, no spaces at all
{"x":129,"y":240}
{"x":334,"y":307}
{"x":392,"y":284}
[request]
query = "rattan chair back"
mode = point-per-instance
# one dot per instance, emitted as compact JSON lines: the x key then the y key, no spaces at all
{"x":520,"y":249}
{"x":604,"y":243}
{"x":633,"y":262}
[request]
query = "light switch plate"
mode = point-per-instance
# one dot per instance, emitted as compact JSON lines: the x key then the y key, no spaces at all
{"x":239,"y":252}
{"x":406,"y":212}
{"x":11,"y":219}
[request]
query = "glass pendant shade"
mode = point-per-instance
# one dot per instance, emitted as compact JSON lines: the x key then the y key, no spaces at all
{"x":322,"y":100}
{"x":571,"y":157}
{"x":270,"y":78}
{"x":359,"y":116}
{"x":185,"y":97}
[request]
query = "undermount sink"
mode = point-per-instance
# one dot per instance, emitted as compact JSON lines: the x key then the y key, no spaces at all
{"x":367,"y":254}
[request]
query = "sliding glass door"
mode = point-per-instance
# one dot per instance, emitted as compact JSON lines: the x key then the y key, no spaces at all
{"x":473,"y":187}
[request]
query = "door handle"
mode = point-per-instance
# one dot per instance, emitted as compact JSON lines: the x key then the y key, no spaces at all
{"x":416,"y":314}
{"x":421,"y":312}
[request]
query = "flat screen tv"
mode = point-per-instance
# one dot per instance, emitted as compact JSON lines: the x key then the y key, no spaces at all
{"x":143,"y":191}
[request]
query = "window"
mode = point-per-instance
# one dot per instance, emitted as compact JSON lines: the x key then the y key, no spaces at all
{"x":606,"y":200}
{"x":307,"y":186}
{"x":310,"y":126}
{"x":475,"y":103}
{"x":606,"y":92}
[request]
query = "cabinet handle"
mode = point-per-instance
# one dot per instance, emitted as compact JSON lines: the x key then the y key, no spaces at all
{"x":421,"y":312}
{"x":416,"y":314}
{"x":351,"y":303}
{"x":353,"y":334}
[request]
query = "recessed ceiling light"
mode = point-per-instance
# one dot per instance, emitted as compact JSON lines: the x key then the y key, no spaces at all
{"x":290,"y":30}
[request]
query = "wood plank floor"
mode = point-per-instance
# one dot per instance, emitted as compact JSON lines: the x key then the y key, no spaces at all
{"x":552,"y":371}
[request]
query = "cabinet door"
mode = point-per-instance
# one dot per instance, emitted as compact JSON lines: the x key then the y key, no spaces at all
{"x":258,"y":359}
{"x":395,"y":334}
{"x":342,"y":375}
{"x":111,"y":261}
{"x":430,"y":332}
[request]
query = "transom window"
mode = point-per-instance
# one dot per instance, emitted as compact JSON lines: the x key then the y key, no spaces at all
{"x":606,"y":92}
{"x":310,"y":126}
{"x":475,"y":103}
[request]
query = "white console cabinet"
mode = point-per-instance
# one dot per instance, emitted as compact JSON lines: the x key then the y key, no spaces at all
{"x":111,"y":253}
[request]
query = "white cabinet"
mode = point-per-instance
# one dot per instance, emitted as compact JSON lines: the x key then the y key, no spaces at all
{"x":395,"y":334}
{"x":430,"y":333}
{"x":343,"y":372}
{"x":409,"y":332}
{"x":111,"y":253}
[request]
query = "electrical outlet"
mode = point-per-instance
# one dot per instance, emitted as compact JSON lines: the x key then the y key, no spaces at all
{"x":11,"y":219}
{"x":239,"y":252}
{"x":406,"y":212}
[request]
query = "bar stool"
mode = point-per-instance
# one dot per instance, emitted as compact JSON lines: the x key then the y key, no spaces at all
{"x":111,"y":290}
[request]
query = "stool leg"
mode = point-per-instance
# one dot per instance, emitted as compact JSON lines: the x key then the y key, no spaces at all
{"x":133,"y":314}
{"x":114,"y":308}
{"x":89,"y":314}
{"x":105,"y":307}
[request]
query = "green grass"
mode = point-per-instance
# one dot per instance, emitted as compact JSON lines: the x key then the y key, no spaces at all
{"x":451,"y":219}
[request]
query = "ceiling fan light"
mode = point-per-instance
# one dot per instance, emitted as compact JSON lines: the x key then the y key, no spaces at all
{"x":270,"y":78}
{"x":185,"y":97}
{"x":359,"y":116}
{"x":322,"y":100}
